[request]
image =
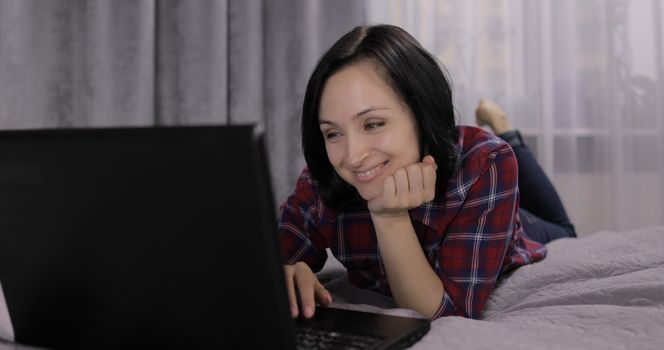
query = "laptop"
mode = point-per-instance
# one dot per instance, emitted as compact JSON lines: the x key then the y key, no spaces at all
{"x":153,"y":237}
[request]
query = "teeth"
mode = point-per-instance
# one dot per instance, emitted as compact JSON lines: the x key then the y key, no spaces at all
{"x":369,"y":172}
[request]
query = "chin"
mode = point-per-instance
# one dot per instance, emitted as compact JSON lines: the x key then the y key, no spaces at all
{"x":369,"y":193}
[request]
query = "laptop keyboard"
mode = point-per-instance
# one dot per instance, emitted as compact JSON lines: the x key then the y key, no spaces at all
{"x":313,"y":338}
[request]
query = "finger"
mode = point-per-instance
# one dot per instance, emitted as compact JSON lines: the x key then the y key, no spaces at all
{"x":389,"y":187}
{"x":401,"y":182}
{"x":385,"y":198}
{"x":290,"y":287}
{"x":430,"y":161}
{"x":322,"y":295}
{"x":305,"y":288}
{"x":429,"y":183}
{"x":415,"y":182}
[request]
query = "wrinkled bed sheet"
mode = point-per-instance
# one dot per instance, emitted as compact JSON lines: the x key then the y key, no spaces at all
{"x":602,"y":291}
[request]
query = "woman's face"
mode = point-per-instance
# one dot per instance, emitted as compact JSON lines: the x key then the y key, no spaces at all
{"x":369,"y":132}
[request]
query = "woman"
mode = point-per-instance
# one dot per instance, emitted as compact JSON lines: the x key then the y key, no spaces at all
{"x":411,"y":204}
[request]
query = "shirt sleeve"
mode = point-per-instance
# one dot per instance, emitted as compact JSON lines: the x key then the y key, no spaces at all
{"x":298,"y":226}
{"x":471,"y":255}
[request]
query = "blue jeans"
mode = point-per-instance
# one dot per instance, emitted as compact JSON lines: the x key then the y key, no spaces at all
{"x":542,"y":213}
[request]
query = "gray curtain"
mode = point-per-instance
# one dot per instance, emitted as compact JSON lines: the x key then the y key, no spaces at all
{"x":91,"y":63}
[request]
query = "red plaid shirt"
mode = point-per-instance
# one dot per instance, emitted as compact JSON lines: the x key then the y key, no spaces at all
{"x":470,"y":233}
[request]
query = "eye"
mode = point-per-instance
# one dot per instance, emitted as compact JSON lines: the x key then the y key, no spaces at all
{"x":373,"y":125}
{"x":331,"y":135}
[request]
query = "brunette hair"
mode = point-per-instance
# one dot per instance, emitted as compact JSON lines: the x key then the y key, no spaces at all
{"x":416,"y":77}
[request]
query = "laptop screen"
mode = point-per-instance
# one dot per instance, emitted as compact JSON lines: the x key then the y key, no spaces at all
{"x":141,"y":236}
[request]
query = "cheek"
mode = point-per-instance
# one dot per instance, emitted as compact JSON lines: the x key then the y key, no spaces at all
{"x":334,"y":154}
{"x":402,"y":144}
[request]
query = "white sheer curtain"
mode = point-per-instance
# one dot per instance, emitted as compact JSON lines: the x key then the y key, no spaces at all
{"x":583,"y":80}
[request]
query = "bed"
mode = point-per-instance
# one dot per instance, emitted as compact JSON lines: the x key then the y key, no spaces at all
{"x":602,"y":291}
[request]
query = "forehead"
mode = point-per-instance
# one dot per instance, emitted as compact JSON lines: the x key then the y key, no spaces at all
{"x":357,"y":86}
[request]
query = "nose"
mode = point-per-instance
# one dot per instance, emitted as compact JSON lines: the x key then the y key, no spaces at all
{"x":357,"y":150}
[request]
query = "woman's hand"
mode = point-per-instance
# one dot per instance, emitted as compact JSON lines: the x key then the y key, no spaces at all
{"x":303,"y":285}
{"x":407,"y":188}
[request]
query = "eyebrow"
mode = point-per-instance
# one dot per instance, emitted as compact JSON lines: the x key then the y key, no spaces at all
{"x":359,"y":114}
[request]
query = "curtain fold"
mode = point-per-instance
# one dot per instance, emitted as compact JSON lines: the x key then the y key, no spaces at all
{"x":85,"y":63}
{"x":191,"y":62}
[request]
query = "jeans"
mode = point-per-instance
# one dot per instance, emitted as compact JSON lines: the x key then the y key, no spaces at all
{"x":541,"y":211}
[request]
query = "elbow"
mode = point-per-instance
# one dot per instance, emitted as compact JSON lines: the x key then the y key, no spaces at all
{"x":428,"y":303}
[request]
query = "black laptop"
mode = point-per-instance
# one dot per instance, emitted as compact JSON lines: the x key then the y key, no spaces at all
{"x":154,"y":237}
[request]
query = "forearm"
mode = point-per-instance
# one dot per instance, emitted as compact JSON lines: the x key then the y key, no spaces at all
{"x":413,"y":282}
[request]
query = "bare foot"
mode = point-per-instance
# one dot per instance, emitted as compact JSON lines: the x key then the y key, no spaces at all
{"x":490,"y":114}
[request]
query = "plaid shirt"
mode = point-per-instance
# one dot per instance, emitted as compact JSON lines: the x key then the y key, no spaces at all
{"x":470,"y":233}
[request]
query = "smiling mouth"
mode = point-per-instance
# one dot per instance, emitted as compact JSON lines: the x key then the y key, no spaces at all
{"x":369,"y":174}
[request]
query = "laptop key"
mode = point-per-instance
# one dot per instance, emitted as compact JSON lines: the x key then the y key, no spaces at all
{"x":314,"y":338}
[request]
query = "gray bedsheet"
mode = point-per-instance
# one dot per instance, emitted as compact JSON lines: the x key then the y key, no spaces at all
{"x":602,"y":291}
